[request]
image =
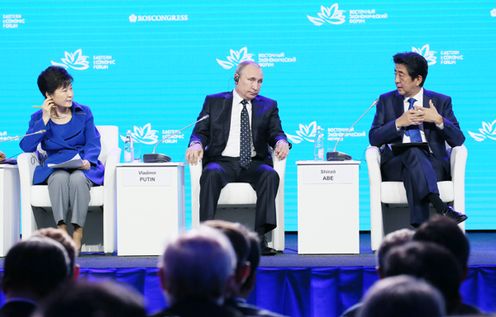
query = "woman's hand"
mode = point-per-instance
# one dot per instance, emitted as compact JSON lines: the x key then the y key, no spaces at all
{"x":86,"y":165}
{"x":49,"y":110}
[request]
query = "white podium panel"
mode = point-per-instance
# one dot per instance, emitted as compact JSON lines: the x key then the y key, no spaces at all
{"x":328,"y":205}
{"x":150,"y":206}
{"x":9,"y":207}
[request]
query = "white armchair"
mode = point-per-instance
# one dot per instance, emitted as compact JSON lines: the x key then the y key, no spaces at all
{"x":242,"y":194}
{"x":105,"y":196}
{"x":385,"y":194}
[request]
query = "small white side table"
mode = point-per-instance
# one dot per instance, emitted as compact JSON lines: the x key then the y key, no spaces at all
{"x":150,"y":206}
{"x":328,"y":205}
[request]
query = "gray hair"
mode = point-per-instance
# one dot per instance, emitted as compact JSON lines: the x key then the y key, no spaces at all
{"x":198,"y":265}
{"x":391,"y":240}
{"x":243,"y":64}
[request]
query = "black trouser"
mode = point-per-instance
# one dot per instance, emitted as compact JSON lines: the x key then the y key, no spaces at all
{"x":262,"y":177}
{"x":420,"y":171}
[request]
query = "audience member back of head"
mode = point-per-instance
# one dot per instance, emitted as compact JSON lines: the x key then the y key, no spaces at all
{"x":431,"y":262}
{"x":91,"y":299}
{"x":403,"y":296}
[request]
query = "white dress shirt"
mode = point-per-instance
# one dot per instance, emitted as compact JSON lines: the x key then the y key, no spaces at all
{"x":419,"y":97}
{"x":232,"y":148}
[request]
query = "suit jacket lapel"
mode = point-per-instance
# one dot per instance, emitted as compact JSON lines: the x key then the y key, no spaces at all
{"x":256,"y":113}
{"x":398,"y":105}
{"x":225,"y":115}
{"x":425,"y":104}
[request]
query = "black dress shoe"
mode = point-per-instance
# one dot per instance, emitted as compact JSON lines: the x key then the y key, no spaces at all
{"x":265,"y":249}
{"x":455,"y":215}
{"x":268,"y":251}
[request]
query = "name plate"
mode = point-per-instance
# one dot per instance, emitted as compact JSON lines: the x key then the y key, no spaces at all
{"x":322,"y":174}
{"x":146,"y":176}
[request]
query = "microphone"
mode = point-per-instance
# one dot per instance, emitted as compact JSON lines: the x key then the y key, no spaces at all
{"x":339,"y":156}
{"x":17,"y":137}
{"x":162,"y":158}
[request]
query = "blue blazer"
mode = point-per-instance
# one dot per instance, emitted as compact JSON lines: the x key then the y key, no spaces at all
{"x":213,"y":132}
{"x":390,"y":107}
{"x":83,"y":139}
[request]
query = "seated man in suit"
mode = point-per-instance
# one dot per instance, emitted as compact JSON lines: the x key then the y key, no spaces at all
{"x":412,"y":114}
{"x":233,"y":144}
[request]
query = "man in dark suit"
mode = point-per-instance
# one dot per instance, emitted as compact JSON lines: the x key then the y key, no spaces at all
{"x":234,"y":145}
{"x":411,"y":114}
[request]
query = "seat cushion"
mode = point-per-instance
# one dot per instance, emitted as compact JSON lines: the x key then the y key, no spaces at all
{"x":394,"y":192}
{"x":238,"y":194}
{"x":40,"y":197}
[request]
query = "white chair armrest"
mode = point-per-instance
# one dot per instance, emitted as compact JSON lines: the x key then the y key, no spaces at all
{"x":278,"y":237}
{"x":279,"y":166}
{"x":373,"y":158}
{"x":458,"y":162}
{"x":109,"y":200}
{"x":195,"y":172}
{"x":26,"y":163}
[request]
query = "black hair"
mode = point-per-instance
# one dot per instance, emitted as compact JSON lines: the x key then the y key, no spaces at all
{"x":53,"y":78}
{"x":415,"y":63}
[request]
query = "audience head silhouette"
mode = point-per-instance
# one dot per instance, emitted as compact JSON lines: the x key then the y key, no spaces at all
{"x":403,"y":296}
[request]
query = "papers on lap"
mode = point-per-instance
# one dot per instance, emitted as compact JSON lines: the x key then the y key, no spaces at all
{"x":73,"y":163}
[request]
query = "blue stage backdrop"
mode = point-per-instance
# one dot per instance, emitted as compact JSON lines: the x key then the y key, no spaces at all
{"x":146,"y":66}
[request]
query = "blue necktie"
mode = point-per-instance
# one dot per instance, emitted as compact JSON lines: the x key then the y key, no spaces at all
{"x":413,"y":131}
{"x":245,"y":137}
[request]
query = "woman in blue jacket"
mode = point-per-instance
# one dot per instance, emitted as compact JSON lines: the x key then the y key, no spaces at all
{"x":69,"y":131}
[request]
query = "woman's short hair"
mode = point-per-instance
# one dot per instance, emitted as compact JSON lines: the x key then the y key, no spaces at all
{"x":52,"y":78}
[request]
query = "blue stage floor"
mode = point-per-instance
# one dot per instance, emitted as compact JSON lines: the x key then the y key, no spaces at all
{"x":303,"y":285}
{"x":483,"y":252}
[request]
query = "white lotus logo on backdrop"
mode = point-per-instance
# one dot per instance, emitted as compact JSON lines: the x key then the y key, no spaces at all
{"x":235,"y":58}
{"x":133,"y":18}
{"x":143,"y":135}
{"x":76,"y":60}
{"x":426,"y":52}
{"x":493,"y":13}
{"x":488,"y":131}
{"x":306,"y":133}
{"x":331,"y":15}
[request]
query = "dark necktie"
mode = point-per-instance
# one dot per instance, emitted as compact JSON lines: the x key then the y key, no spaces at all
{"x":413,"y":131}
{"x":245,"y":137}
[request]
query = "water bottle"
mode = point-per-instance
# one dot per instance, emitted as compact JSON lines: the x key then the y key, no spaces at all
{"x":319,"y":145}
{"x":128,"y":148}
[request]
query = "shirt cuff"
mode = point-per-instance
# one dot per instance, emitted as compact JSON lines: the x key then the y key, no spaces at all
{"x":194,"y":142}
{"x":281,"y":141}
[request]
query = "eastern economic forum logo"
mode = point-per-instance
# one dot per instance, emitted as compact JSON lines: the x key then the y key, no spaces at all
{"x":447,"y":57}
{"x":264,"y":59}
{"x":334,"y":16}
{"x":78,"y":61}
